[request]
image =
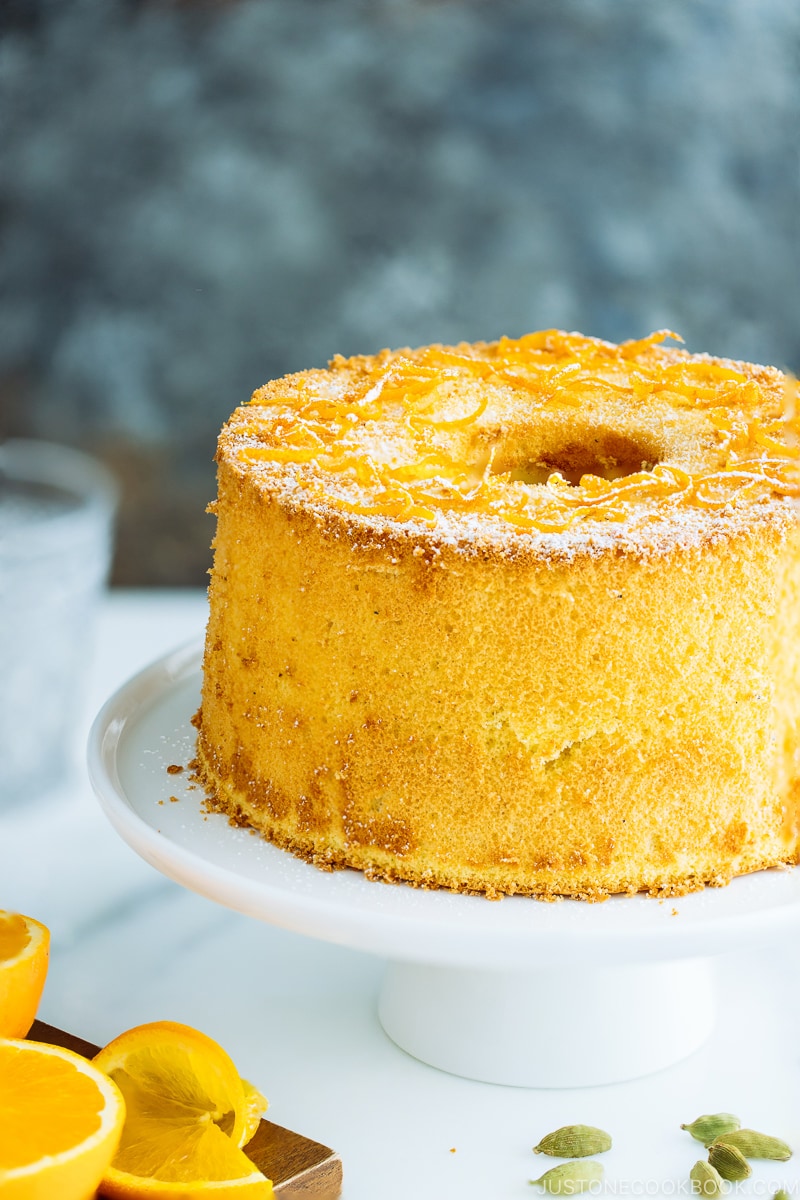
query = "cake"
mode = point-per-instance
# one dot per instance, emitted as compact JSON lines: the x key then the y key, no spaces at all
{"x":511,"y":617}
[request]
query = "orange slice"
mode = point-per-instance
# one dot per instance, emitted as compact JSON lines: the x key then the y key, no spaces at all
{"x":24,"y":952}
{"x":60,"y":1122}
{"x":187,"y":1115}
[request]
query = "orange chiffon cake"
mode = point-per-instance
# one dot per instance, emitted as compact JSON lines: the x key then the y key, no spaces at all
{"x":516,"y":617}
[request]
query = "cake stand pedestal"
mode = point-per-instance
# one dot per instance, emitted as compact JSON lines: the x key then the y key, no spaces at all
{"x":519,"y":992}
{"x":557,"y":1027}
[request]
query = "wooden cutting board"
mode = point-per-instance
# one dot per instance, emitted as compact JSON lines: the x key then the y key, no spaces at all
{"x":299,"y":1168}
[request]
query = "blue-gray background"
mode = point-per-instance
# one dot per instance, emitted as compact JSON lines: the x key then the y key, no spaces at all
{"x":195,"y":197}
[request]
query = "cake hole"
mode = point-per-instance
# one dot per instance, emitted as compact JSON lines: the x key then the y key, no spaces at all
{"x":604,"y":453}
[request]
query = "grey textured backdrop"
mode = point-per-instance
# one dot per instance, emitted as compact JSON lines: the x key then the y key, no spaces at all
{"x":196,"y":197}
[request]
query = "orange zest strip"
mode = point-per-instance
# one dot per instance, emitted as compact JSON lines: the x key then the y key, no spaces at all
{"x":402,"y":507}
{"x":632,"y":349}
{"x":705,"y":371}
{"x":539,"y":523}
{"x":762,"y":438}
{"x":279,"y":454}
{"x":460,"y":422}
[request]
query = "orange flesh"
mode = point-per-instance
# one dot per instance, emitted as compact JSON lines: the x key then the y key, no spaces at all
{"x":14,"y":936}
{"x":758,"y":452}
{"x":67,"y":1106}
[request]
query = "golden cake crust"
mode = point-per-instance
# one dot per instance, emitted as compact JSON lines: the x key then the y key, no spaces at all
{"x":517,"y":679}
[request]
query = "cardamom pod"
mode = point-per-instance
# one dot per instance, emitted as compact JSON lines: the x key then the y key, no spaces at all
{"x":781,"y":1194}
{"x":709,"y":1127}
{"x":574,"y":1141}
{"x":729,"y":1161}
{"x":569,"y":1178}
{"x":706,"y":1180}
{"x":757,"y":1145}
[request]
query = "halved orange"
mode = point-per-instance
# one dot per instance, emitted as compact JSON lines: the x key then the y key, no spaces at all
{"x":24,"y":954}
{"x":60,"y":1122}
{"x":187,"y":1115}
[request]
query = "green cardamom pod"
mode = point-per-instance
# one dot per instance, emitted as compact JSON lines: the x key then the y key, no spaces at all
{"x":729,"y":1161}
{"x":574,"y":1141}
{"x":757,"y":1145}
{"x":569,"y":1178}
{"x":706,"y":1180}
{"x":781,"y":1194}
{"x":709,"y":1127}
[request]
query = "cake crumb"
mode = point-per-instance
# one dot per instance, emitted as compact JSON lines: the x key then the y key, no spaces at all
{"x":174,"y":799}
{"x":174,"y":769}
{"x":452,"y":1149}
{"x":674,"y":913}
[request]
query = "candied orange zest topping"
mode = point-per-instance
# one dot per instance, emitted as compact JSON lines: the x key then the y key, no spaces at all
{"x":757,"y":438}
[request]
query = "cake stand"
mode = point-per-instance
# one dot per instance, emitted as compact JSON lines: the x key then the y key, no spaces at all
{"x":515,"y":991}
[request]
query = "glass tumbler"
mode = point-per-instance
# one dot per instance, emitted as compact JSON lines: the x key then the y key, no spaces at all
{"x":57,"y":510}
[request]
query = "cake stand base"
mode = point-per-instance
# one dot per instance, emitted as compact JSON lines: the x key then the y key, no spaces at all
{"x":555,"y":1027}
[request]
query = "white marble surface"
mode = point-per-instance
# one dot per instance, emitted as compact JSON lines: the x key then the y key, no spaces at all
{"x":298,"y":1015}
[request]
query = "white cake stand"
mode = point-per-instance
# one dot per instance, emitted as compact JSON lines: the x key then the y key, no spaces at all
{"x":516,"y":991}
